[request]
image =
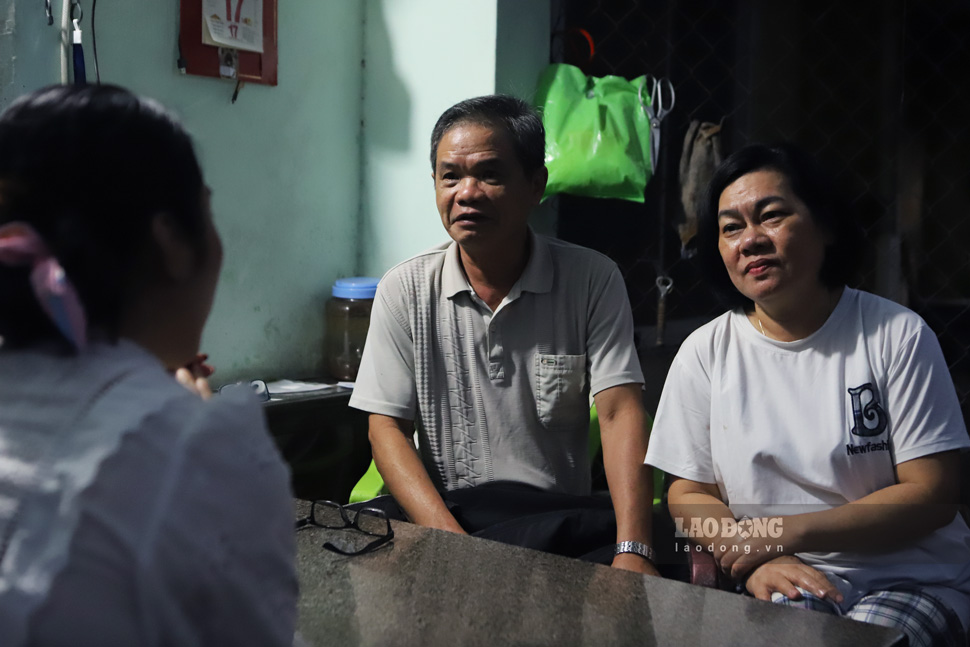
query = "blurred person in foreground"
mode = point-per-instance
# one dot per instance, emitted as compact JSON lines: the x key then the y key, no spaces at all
{"x":135,"y":511}
{"x":815,"y":428}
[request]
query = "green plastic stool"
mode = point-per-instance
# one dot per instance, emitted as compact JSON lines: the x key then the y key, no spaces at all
{"x":370,"y":485}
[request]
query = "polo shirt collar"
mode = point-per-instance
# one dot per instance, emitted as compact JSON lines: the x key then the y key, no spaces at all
{"x":536,"y":277}
{"x":453,"y":280}
{"x":538,"y":273}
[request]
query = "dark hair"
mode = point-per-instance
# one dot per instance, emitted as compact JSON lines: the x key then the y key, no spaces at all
{"x":517,"y":117}
{"x":811,"y":184}
{"x":88,"y":166}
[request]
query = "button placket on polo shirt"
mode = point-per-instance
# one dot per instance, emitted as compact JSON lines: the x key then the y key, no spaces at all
{"x":496,"y":351}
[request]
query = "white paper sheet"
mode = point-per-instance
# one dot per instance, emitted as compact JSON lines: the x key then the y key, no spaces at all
{"x":293,"y":386}
{"x":233,"y":23}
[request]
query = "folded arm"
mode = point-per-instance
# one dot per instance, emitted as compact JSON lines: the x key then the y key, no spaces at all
{"x":922,"y":501}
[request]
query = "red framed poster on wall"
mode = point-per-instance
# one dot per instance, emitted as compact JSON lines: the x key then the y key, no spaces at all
{"x":204,"y":59}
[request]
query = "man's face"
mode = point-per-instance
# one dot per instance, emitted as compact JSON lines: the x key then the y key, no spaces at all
{"x":483,"y":194}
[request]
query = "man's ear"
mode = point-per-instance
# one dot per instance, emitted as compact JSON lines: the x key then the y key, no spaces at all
{"x":177,"y":256}
{"x":539,"y":180}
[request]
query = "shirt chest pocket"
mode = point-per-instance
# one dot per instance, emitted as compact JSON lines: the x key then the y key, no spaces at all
{"x":560,"y":389}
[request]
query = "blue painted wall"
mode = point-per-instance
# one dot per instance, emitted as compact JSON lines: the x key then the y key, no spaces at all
{"x":327,"y":174}
{"x":422,"y":57}
{"x":283,"y":162}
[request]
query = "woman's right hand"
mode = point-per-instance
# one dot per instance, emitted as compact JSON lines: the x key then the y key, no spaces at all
{"x":195,"y":376}
{"x":196,"y":384}
{"x":783,"y":574}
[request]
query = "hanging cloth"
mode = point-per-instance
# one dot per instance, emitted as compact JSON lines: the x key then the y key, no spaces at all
{"x":80,"y":76}
{"x":698,"y":160}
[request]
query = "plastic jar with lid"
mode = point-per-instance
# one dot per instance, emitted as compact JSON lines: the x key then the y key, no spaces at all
{"x":348,"y":317}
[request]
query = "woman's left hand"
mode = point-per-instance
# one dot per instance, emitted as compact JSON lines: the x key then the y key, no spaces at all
{"x":743,"y":555}
{"x":783,"y":574}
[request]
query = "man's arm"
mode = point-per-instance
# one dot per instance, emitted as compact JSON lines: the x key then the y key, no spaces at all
{"x":404,"y":474}
{"x":386,"y":383}
{"x":623,"y":428}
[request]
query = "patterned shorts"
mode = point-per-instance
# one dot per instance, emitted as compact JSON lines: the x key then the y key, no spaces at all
{"x":927,"y":621}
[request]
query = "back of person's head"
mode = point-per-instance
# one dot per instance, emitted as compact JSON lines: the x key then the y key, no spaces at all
{"x":87,"y":167}
{"x":513,"y":115}
{"x":811,"y":184}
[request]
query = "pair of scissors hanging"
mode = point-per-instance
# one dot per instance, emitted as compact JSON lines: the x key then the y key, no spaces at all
{"x":660,"y":101}
{"x":77,"y":13}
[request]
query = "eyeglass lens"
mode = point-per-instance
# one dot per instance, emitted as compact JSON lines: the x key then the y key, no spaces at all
{"x":371,"y":521}
{"x":320,"y":517}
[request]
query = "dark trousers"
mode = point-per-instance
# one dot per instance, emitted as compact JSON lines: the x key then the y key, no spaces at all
{"x":582,"y":527}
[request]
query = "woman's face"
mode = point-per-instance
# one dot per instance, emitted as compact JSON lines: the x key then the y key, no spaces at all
{"x":173,"y":292}
{"x":768,"y":240}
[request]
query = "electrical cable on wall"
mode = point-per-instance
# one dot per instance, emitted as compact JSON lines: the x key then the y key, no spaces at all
{"x":180,"y":61}
{"x":94,"y":42}
{"x":65,"y":48}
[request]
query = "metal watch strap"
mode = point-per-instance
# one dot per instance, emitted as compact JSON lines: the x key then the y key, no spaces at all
{"x":637,"y":547}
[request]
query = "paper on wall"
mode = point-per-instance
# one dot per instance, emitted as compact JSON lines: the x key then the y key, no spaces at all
{"x":233,"y":23}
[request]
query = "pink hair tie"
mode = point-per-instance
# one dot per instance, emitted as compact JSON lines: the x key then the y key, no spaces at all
{"x":20,"y":245}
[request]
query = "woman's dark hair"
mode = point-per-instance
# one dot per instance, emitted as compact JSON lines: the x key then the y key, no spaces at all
{"x":88,"y":166}
{"x":812,"y":185}
{"x":516,"y":116}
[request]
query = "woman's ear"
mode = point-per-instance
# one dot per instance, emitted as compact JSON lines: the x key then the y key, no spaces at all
{"x":177,"y":255}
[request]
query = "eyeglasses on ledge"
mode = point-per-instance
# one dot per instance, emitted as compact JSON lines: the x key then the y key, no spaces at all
{"x":370,"y":521}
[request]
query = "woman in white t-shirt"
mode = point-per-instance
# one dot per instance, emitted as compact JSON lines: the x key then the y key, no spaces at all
{"x":813,"y":431}
{"x":133,"y":510}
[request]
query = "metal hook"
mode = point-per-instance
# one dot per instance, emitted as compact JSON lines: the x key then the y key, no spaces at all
{"x":50,"y":14}
{"x":80,"y":10}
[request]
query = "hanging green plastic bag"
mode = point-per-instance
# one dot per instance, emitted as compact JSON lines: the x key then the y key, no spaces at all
{"x":597,"y":133}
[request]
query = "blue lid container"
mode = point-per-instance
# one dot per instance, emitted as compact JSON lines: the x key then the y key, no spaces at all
{"x":357,"y":287}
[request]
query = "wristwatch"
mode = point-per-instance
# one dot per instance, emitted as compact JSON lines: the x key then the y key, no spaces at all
{"x":637,"y":547}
